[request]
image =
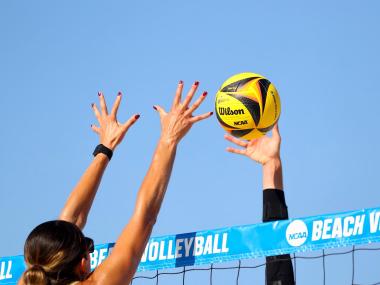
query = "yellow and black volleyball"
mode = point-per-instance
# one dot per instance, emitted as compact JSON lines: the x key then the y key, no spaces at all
{"x":247,"y":105}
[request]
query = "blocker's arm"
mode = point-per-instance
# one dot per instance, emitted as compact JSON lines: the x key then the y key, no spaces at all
{"x":266,"y":151}
{"x":279,"y":268}
{"x":120,"y":267}
{"x":81,"y":198}
{"x":111,"y":133}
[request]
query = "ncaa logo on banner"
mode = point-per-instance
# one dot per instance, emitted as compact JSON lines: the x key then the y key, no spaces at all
{"x":296,"y":233}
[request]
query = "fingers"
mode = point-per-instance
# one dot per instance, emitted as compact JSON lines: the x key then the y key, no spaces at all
{"x":178,"y":93}
{"x":190,"y":95}
{"x":95,"y":129}
{"x":236,"y":141}
{"x":200,"y":117}
{"x":235,"y":150}
{"x":130,"y":122}
{"x":196,"y":104}
{"x":103,"y":105}
{"x":160,"y":110}
{"x":116,"y":105}
{"x":96,"y":112}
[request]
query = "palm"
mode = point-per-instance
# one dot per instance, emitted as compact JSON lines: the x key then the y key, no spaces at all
{"x":176,"y":123}
{"x":261,"y":150}
{"x":111,"y":132}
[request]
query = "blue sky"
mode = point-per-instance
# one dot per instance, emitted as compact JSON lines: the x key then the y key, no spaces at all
{"x":56,"y":55}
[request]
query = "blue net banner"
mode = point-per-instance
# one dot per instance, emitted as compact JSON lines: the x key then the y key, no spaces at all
{"x":239,"y":242}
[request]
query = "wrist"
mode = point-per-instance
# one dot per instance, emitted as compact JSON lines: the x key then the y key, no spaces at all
{"x":109,"y":145}
{"x":168,"y":142}
{"x":102,"y":158}
{"x":274,"y":163}
{"x":101,"y":149}
{"x":272,"y":174}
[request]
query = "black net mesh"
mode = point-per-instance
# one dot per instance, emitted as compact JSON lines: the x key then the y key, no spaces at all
{"x":355,"y":266}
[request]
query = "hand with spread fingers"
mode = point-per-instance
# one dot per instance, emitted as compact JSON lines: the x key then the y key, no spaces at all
{"x":261,"y":150}
{"x":110,"y":130}
{"x":111,"y":133}
{"x":176,"y":123}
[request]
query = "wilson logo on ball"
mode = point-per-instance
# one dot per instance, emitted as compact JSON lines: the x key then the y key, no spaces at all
{"x":228,"y":111}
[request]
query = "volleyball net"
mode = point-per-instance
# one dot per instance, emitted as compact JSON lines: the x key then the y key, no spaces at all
{"x":239,"y":249}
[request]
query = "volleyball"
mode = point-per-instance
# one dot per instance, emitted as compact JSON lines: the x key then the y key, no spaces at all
{"x":247,"y":105}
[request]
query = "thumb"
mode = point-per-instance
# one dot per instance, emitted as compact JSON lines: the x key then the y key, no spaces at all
{"x":276,"y":131}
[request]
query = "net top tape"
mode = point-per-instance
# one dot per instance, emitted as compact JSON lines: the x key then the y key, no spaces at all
{"x":239,"y":242}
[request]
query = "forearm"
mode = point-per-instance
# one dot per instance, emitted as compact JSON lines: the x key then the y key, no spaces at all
{"x":81,"y":198}
{"x":279,"y":268}
{"x":130,"y":245}
{"x":153,"y":188}
{"x":272,"y":174}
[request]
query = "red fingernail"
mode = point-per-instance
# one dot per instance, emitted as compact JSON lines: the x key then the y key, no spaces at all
{"x":155,"y":108}
{"x":137,"y":116}
{"x":99,"y":93}
{"x":119,"y":94}
{"x":180,"y":82}
{"x":211,"y":113}
{"x":204,"y":93}
{"x":196,"y":83}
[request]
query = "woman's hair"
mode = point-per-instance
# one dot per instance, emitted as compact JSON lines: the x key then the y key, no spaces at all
{"x":52,"y":251}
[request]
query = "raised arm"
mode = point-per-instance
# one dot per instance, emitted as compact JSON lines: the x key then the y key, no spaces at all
{"x":121,"y":265}
{"x":111,"y":133}
{"x":266,"y":151}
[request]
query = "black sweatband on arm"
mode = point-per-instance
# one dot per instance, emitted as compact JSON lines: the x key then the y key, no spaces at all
{"x":274,"y":205}
{"x":103,"y":149}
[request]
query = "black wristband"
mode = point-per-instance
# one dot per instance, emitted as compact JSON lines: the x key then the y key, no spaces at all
{"x":103,"y":149}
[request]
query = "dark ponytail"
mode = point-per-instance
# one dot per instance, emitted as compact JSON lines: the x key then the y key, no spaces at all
{"x":35,"y":275}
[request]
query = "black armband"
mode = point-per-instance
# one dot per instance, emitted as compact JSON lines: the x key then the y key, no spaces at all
{"x":274,"y":205}
{"x":103,"y":149}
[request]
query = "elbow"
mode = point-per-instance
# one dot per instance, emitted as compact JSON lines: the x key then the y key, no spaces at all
{"x":81,"y":222}
{"x":78,"y":220}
